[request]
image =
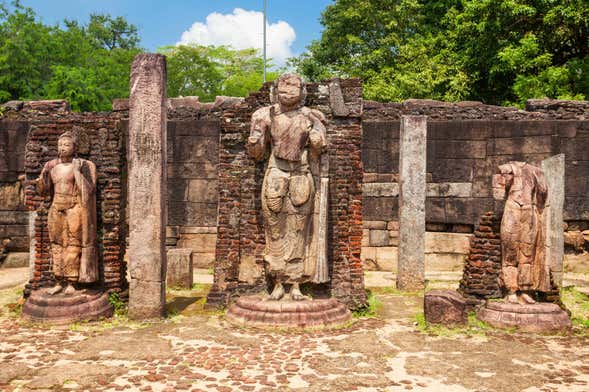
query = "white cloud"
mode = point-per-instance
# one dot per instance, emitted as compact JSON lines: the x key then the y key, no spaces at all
{"x":243,"y":29}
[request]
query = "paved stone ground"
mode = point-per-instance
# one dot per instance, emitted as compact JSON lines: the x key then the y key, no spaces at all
{"x":198,"y":351}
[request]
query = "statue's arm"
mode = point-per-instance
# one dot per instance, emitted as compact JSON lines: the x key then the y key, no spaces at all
{"x":44,"y":181}
{"x":260,"y":127}
{"x":318,"y":132}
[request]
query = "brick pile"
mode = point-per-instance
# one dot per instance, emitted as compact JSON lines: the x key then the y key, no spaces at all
{"x":483,"y":263}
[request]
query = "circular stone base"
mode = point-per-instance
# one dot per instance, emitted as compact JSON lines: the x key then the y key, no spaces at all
{"x":256,"y":311}
{"x":538,"y":317}
{"x":84,"y":305}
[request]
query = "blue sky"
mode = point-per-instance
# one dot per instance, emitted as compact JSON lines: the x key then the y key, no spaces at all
{"x":164,"y":22}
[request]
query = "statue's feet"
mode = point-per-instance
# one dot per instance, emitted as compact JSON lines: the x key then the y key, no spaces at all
{"x":69,"y":290}
{"x":512,"y":299}
{"x":526,"y":299}
{"x":55,"y":289}
{"x":278,"y":292}
{"x":295,"y":293}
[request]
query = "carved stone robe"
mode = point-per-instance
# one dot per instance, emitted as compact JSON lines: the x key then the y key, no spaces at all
{"x":523,"y":232}
{"x":294,"y":191}
{"x":85,"y":184}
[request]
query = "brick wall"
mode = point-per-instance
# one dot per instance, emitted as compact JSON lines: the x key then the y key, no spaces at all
{"x":239,"y":266}
{"x":101,"y":140}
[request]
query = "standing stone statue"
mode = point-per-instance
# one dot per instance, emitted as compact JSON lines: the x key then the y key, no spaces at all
{"x":524,"y":269}
{"x":294,"y":191}
{"x":71,"y":183}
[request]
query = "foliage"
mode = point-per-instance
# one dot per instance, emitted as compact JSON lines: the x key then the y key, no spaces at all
{"x":86,"y":64}
{"x":578,"y":304}
{"x":490,"y":50}
{"x":119,"y":305}
{"x":371,"y":309}
{"x":474,"y":326}
{"x":209,"y":71}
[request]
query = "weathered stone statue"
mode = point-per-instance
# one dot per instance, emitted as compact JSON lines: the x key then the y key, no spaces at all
{"x":71,"y":220}
{"x":294,"y":191}
{"x":524,"y":268}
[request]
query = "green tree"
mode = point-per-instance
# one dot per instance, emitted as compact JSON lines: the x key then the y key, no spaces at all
{"x":491,"y":50}
{"x":208,"y":71}
{"x":86,"y":64}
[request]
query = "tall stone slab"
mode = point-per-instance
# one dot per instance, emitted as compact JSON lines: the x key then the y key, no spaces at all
{"x":554,"y":170}
{"x":147,"y":187}
{"x":412,"y":191}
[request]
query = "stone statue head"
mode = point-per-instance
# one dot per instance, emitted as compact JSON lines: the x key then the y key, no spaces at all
{"x":290,"y":90}
{"x":66,"y":145}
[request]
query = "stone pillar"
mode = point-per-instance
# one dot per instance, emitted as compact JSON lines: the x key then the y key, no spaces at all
{"x":147,"y":187}
{"x":553,"y":168}
{"x":179,"y":268}
{"x":412,"y":190}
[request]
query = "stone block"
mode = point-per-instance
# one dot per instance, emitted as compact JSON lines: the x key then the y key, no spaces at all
{"x":198,"y":230}
{"x":203,"y":260}
{"x":378,"y":225}
{"x":379,"y":237}
{"x":379,"y":208}
{"x":199,"y":243}
{"x":11,"y":197}
{"x":445,"y":307}
{"x":451,"y":170}
{"x":393,"y":225}
{"x":378,"y":189}
{"x":444,"y":262}
{"x":365,"y":237}
{"x":437,"y":242}
{"x":16,"y":260}
{"x":203,"y":191}
{"x":180,"y":267}
{"x":387,"y":258}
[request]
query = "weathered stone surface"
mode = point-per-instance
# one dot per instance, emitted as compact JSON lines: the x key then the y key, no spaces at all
{"x":50,"y":105}
{"x":447,"y":243}
{"x":446,"y":307}
{"x":554,"y":172}
{"x":379,"y":238}
{"x":523,"y":232}
{"x":16,"y":260}
{"x":412,"y":162}
{"x":120,"y":105}
{"x":294,"y":197}
{"x":184,"y":102}
{"x":538,"y":317}
{"x":11,"y":196}
{"x":87,"y":305}
{"x":255,"y":311}
{"x":179,"y":268}
{"x":147,"y":186}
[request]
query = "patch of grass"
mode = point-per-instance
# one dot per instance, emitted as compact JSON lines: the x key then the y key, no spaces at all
{"x":578,"y":304}
{"x":372,"y":308}
{"x":395,"y":291}
{"x":121,"y":308}
{"x":474,"y":326}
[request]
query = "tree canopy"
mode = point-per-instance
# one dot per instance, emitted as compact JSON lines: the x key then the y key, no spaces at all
{"x":86,"y":64}
{"x":496,"y":51}
{"x":208,"y":71}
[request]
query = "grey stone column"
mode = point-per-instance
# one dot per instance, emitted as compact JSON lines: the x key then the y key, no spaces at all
{"x":412,"y":190}
{"x":147,"y":187}
{"x":553,"y":168}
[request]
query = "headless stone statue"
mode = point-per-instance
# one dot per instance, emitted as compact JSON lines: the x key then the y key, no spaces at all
{"x":71,"y":182}
{"x":524,"y":268}
{"x":294,"y":191}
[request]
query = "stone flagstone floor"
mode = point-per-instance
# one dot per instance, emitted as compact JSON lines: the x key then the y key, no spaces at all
{"x":198,"y":351}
